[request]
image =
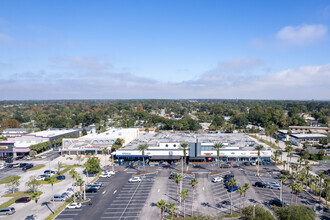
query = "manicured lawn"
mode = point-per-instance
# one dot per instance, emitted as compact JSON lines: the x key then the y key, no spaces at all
{"x":37,"y":167}
{"x":46,"y":182}
{"x":67,"y":168}
{"x":5,"y":181}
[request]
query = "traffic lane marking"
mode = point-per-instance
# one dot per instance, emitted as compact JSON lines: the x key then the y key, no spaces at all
{"x":126,"y":169}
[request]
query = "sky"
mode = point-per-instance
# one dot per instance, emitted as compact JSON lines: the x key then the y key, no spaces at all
{"x":173,"y":49}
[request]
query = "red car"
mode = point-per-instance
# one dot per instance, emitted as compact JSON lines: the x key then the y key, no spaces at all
{"x":229,"y":163}
{"x":23,"y":200}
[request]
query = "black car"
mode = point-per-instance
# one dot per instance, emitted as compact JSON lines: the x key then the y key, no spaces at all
{"x":276,"y":202}
{"x":228,"y":176}
{"x":9,"y":165}
{"x":326,"y":172}
{"x":61,"y":177}
{"x":91,"y":190}
{"x":19,"y":158}
{"x":260,"y":184}
{"x":27,"y":166}
{"x":22,"y":164}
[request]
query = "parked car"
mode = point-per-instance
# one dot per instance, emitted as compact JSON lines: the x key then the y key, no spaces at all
{"x":225,"y":166}
{"x":24,"y":199}
{"x":91,"y":190}
{"x":41,"y":177}
{"x":234,"y":188}
{"x":61,"y":177}
{"x":96,"y":183}
{"x":105,"y":175}
{"x":217,"y":179}
{"x":229,"y":163}
{"x":246,"y":163}
{"x":260,"y":184}
{"x":27,"y":167}
{"x":22,"y":165}
{"x":9,"y":165}
{"x":19,"y":157}
{"x":274,"y":185}
{"x":49,"y":172}
{"x":94,"y":186}
{"x":74,"y":205}
{"x":15,"y":165}
{"x":276,"y":202}
{"x":109,"y":172}
{"x":58,"y":197}
{"x":135,"y":179}
{"x":227,"y":176}
{"x":253,"y":163}
{"x":7,"y":211}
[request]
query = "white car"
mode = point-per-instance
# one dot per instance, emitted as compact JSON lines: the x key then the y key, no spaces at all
{"x":74,"y":205}
{"x":135,"y":179}
{"x":2,"y":167}
{"x":110,"y":172}
{"x":253,"y":163}
{"x":274,"y":185}
{"x":105,"y":175}
{"x":217,"y":179}
{"x":41,"y":177}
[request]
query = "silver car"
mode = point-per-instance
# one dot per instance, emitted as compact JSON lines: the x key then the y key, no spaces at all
{"x":7,"y":211}
{"x":274,"y":185}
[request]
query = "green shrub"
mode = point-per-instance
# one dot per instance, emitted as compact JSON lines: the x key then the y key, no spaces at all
{"x":295,"y":212}
{"x":285,"y":172}
{"x":260,"y":213}
{"x":69,"y":199}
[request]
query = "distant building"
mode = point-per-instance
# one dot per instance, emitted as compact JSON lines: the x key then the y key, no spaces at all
{"x":296,"y":139}
{"x":307,"y":129}
{"x":95,"y":143}
{"x":205,"y":126}
{"x":20,"y":145}
{"x":14,"y":132}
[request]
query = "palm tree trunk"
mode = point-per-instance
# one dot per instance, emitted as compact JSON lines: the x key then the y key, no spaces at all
{"x":258,"y":165}
{"x":162,"y":212}
{"x":291,"y":196}
{"x":113,"y":164}
{"x":53,"y":197}
{"x":244,"y":201}
{"x":296,"y":197}
{"x":143,"y":163}
{"x":240,"y":203}
{"x":231,"y":211}
{"x":37,"y":209}
{"x":192,"y":206}
{"x":184,"y":208}
{"x":320,"y":189}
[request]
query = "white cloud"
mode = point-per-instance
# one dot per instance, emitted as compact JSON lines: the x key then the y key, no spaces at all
{"x":303,"y":34}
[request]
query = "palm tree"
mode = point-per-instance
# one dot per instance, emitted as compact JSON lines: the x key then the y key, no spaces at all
{"x":292,"y":187}
{"x":184,"y":195}
{"x":284,"y":164}
{"x":51,"y":181}
{"x":298,"y":189}
{"x":74,"y":174}
{"x":193,"y":183}
{"x":246,"y":188}
{"x":177,"y":179}
{"x":276,"y":154}
{"x":79,"y":158}
{"x":80,"y":183}
{"x":171,"y":207}
{"x":231,"y":183}
{"x":259,"y":148}
{"x":218,"y":146}
{"x":321,"y":176}
{"x":290,"y":155}
{"x":300,"y":160}
{"x":241,"y":191}
{"x":36,"y":196}
{"x":184,"y":146}
{"x":162,"y":205}
{"x":283,"y":180}
{"x":105,"y":151}
{"x":326,"y":188}
{"x":143,"y":148}
{"x":114,"y":147}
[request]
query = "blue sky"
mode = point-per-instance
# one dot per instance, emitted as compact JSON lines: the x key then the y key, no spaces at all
{"x":164,"y":49}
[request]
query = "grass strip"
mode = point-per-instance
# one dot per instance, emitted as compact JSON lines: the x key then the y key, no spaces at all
{"x":37,"y":167}
{"x":57,"y":211}
{"x":15,"y":195}
{"x":5,"y":181}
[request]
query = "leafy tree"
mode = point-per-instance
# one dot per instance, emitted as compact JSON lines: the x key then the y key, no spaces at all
{"x":184,"y":194}
{"x":93,"y":165}
{"x":84,"y":132}
{"x":13,"y":183}
{"x":218,"y":146}
{"x":143,"y":148}
{"x":32,"y":184}
{"x":59,"y":166}
{"x":295,"y":212}
{"x":171,"y":207}
{"x":162,"y":206}
{"x":260,"y":213}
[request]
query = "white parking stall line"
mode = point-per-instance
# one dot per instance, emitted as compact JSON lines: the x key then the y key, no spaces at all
{"x":69,"y":214}
{"x":125,"y":217}
{"x":120,"y":212}
{"x":72,"y":210}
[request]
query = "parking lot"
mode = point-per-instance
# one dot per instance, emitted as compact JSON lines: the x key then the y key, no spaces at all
{"x":130,"y":199}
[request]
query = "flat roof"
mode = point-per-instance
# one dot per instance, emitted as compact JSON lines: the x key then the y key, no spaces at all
{"x":112,"y":133}
{"x":53,"y":133}
{"x":309,"y":135}
{"x":238,"y":141}
{"x":310,"y":127}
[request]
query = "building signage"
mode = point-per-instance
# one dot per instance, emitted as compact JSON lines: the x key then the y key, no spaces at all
{"x":253,"y":153}
{"x":170,"y":153}
{"x":3,"y":147}
{"x":208,"y":153}
{"x":124,"y":153}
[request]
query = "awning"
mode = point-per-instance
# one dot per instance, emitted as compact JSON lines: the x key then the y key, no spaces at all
{"x":165,"y":157}
{"x":131,"y":156}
